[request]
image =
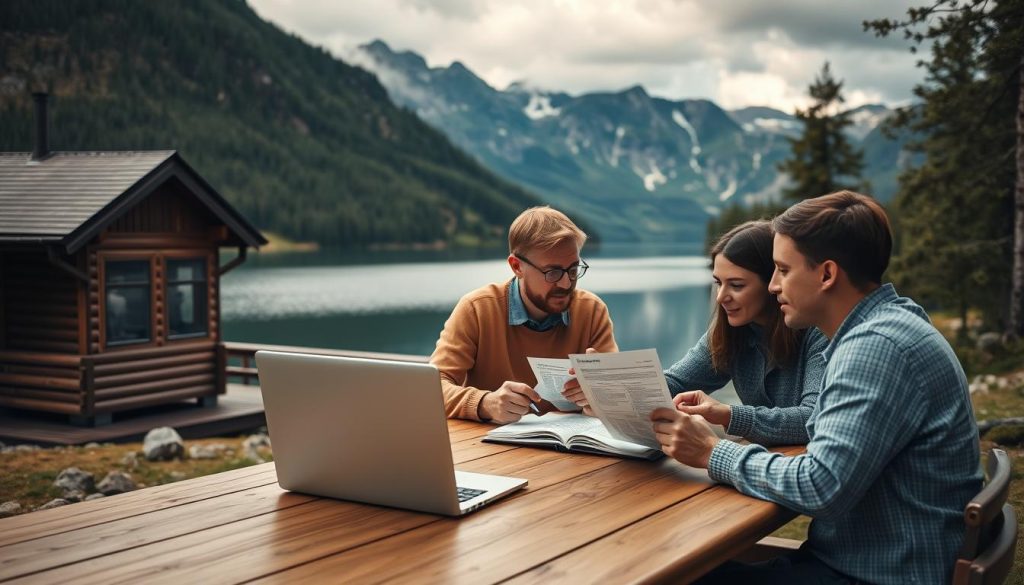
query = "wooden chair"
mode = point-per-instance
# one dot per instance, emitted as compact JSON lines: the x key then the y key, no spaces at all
{"x":986,"y":556}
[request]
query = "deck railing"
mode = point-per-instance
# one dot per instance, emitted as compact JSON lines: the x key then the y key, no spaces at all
{"x":241,"y":364}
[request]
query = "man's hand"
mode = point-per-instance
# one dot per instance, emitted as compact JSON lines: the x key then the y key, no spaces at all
{"x":686,"y":438}
{"x":508,"y":403}
{"x":697,"y":402}
{"x":573,"y":393}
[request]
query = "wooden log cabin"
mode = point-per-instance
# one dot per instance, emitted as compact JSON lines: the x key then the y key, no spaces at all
{"x":109,"y":280}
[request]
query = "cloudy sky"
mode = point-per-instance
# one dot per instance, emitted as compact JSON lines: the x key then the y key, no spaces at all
{"x":735,"y":52}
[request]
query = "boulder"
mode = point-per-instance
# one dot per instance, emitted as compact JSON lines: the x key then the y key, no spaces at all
{"x":74,"y":496}
{"x":116,"y":482}
{"x":92,"y":497}
{"x":56,"y":503}
{"x":74,"y":479}
{"x":989,"y":342}
{"x":252,"y":444}
{"x":130,"y":460}
{"x":206,"y":451}
{"x":9,"y":509}
{"x":163,"y":443}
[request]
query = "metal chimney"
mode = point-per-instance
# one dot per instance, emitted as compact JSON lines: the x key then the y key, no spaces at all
{"x":41,"y":148}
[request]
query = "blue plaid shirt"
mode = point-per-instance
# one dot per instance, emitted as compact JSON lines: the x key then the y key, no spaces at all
{"x":893,"y":456}
{"x":776,"y":401}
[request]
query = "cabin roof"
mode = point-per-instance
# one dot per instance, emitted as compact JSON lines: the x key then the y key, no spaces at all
{"x":68,"y":198}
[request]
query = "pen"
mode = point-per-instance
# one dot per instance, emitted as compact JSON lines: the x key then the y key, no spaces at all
{"x":534,"y":409}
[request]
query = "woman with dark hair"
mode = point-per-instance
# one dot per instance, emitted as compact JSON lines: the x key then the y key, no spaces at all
{"x":776,"y":370}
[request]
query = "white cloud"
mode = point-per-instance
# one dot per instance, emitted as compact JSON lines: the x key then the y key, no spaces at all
{"x":737,"y":53}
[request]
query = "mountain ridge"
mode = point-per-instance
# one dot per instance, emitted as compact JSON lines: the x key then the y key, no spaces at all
{"x":639,"y":167}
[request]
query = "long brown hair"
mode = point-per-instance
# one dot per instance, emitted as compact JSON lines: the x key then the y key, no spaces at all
{"x":749,"y":246}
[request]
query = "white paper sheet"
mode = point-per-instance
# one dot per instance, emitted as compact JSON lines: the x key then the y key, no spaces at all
{"x":552,"y":374}
{"x":623,"y":388}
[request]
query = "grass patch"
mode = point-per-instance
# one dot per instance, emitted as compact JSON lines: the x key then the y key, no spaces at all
{"x":27,"y":476}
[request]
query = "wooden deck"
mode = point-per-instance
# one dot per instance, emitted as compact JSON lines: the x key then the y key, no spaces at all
{"x":239,"y":410}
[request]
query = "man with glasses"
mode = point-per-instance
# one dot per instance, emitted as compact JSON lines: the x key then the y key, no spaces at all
{"x":539,"y":312}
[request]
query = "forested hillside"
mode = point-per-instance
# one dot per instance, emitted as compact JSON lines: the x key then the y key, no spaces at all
{"x":302,"y":143}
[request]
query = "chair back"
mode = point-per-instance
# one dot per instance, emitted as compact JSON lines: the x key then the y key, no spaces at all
{"x":991,"y":537}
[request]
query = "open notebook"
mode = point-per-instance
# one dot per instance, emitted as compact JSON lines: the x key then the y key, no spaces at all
{"x":568,"y":432}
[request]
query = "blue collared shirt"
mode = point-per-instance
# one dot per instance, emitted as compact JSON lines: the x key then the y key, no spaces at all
{"x":517,"y":314}
{"x":893,"y":452}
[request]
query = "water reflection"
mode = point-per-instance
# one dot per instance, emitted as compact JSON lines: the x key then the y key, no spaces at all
{"x":399,"y":306}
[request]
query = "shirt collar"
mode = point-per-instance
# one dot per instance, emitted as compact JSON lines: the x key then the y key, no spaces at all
{"x":860,"y":312}
{"x":517,"y":314}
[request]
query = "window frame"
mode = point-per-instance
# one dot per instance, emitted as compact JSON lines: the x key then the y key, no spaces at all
{"x":158,"y":318}
{"x":126,"y":257}
{"x":205,"y":282}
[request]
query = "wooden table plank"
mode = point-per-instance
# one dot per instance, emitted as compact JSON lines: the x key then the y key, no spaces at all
{"x":47,"y":522}
{"x":84,"y":514}
{"x":260,"y":545}
{"x":39,"y":554}
{"x":672,"y":554}
{"x":499,"y":542}
{"x":225,"y":553}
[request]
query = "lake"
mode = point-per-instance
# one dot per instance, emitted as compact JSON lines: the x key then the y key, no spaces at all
{"x":398,"y":301}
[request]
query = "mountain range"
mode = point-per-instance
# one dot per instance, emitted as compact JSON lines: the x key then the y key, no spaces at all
{"x":636,"y":166}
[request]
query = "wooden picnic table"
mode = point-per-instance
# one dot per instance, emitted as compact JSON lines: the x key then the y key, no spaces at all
{"x":582,"y":519}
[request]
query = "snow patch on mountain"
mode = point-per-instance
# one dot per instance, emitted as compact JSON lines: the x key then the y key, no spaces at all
{"x":654,"y":178}
{"x":730,"y":190}
{"x":617,"y":146}
{"x":540,"y":107}
{"x":681,"y":120}
{"x":864,"y":121}
{"x":772,"y":125}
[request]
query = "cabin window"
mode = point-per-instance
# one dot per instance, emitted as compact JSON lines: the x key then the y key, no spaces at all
{"x":186,"y":298}
{"x":128,"y":302}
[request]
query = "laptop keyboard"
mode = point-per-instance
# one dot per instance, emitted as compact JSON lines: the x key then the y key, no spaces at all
{"x":468,"y":493}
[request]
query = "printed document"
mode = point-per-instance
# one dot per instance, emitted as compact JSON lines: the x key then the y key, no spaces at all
{"x":623,"y":388}
{"x":552,"y":374}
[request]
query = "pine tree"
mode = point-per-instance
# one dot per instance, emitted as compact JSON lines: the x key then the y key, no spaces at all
{"x":823,"y":159}
{"x":956,"y":212}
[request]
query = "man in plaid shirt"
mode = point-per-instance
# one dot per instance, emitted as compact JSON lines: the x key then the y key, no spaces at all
{"x":893,"y":452}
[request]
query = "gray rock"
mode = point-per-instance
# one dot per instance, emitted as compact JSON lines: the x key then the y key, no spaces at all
{"x":989,"y":342}
{"x":92,"y":497}
{"x":206,"y":451}
{"x":74,"y":479}
{"x":56,"y":503}
{"x":74,"y":496}
{"x":116,"y":482}
{"x":130,"y":460}
{"x":163,"y":443}
{"x":9,"y":509}
{"x":93,"y":445}
{"x":252,"y":444}
{"x":26,"y":448}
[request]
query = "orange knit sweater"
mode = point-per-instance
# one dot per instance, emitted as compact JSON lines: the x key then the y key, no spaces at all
{"x":478,"y":350}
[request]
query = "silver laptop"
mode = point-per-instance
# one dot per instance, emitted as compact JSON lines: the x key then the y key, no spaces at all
{"x":366,"y":430}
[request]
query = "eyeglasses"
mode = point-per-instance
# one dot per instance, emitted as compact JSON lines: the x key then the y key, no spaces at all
{"x":575,"y":271}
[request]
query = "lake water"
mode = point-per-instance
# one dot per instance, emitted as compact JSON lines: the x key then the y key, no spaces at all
{"x":397,"y":302}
